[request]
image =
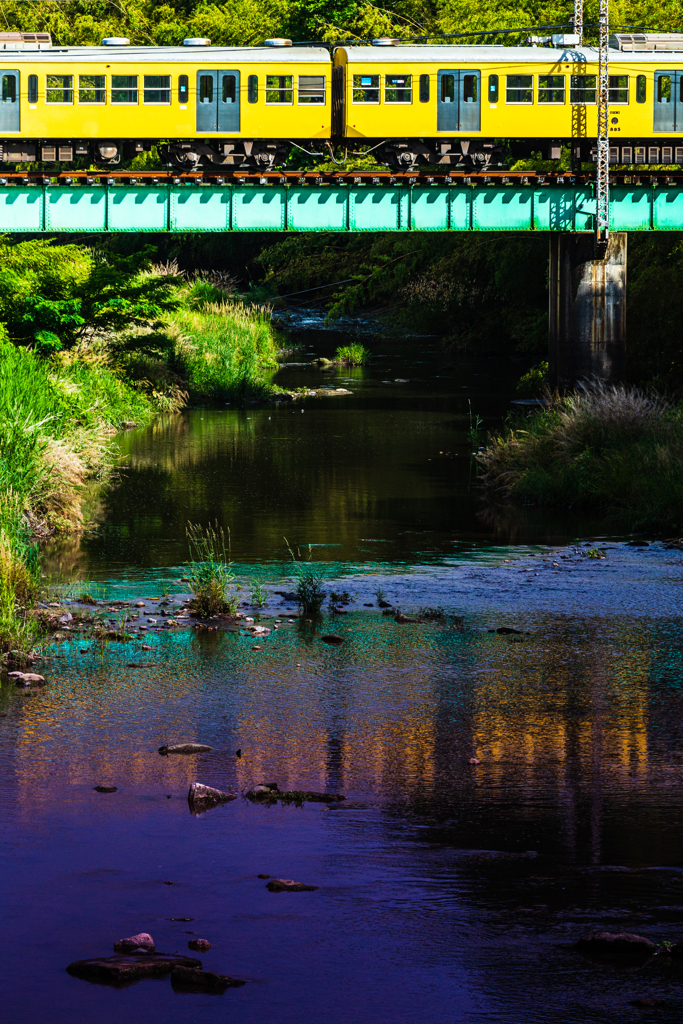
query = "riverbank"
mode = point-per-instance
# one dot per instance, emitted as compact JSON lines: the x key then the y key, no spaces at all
{"x":75,"y":369}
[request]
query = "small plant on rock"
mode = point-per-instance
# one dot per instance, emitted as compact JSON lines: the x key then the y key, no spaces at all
{"x":211,"y":579}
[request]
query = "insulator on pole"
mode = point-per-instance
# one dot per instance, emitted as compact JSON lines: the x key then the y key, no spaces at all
{"x":578,"y":20}
{"x":602,"y":177}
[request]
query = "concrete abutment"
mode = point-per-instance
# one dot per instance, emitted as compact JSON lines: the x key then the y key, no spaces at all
{"x":587,"y":325}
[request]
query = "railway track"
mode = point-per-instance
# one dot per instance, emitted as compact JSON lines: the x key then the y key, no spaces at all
{"x":302,"y":178}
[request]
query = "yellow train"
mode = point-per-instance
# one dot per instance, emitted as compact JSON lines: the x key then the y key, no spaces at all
{"x":250,"y":107}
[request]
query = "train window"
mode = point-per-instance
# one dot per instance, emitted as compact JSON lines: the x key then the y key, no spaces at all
{"x":469,"y":88}
{"x":448,"y":88}
{"x":641,"y":89}
{"x":183,"y":88}
{"x":156,"y":89}
{"x":398,"y":88}
{"x":252,"y":88}
{"x":124,"y":88}
{"x":33,"y":88}
{"x":92,"y":88}
{"x":424,"y":88}
{"x":311,"y":88}
{"x":618,"y":88}
{"x":519,"y":89}
{"x":279,"y":89}
{"x":9,"y":89}
{"x":493,"y":88}
{"x":206,"y":88}
{"x":60,"y":88}
{"x":664,"y":89}
{"x":229,"y":89}
{"x":551,"y":88}
{"x":583,"y":89}
{"x":366,"y":89}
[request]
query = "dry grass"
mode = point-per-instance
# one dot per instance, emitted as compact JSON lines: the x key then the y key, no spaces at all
{"x":611,"y":447}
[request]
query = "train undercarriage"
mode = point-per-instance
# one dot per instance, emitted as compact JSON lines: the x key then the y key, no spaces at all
{"x":396,"y":154}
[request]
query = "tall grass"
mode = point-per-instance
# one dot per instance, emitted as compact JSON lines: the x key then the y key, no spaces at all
{"x":56,"y":421}
{"x":222,"y":348}
{"x":352,"y":355}
{"x":608,"y":447}
{"x":212,"y":581}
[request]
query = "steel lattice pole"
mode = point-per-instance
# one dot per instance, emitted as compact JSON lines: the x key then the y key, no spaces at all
{"x":602,"y":184}
{"x":578,"y":20}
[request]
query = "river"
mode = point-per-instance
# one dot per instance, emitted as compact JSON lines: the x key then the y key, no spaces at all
{"x":508,"y":792}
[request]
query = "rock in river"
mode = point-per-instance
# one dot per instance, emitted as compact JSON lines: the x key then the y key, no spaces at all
{"x":332,"y":638}
{"x":26,"y":678}
{"x":194,"y":978}
{"x":200,"y":945}
{"x":288,"y":885}
{"x":202,"y":798}
{"x":185,"y":748}
{"x":104,"y":789}
{"x":119,"y":969}
{"x":141,"y":941}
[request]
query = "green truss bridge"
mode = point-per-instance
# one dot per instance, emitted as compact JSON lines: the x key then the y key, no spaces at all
{"x":349,"y":202}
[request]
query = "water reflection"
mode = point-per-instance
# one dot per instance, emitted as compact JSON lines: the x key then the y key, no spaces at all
{"x":384,"y":474}
{"x":574,"y":726}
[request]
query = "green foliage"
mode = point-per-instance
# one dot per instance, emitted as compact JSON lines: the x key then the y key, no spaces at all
{"x":223,"y":350}
{"x":596,"y":553}
{"x":258,"y":594}
{"x":212,"y":581}
{"x":533,"y":382}
{"x":310,"y":579}
{"x":353,"y":355}
{"x":612,"y":448}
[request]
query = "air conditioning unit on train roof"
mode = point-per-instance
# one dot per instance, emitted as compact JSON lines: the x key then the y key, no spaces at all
{"x":646,"y":41}
{"x":25,"y":41}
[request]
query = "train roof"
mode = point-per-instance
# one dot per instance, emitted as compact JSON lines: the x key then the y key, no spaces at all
{"x":180,"y":54}
{"x":497,"y":54}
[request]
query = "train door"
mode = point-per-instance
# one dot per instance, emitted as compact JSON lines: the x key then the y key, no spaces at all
{"x":668,"y":101}
{"x":9,"y":102}
{"x":218,"y":101}
{"x":458,"y":103}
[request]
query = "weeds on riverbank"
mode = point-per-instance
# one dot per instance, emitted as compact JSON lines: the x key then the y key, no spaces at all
{"x":212,"y":581}
{"x":609,"y":447}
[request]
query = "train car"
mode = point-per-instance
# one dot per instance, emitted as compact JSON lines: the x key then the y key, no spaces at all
{"x":468,"y":105}
{"x":249,"y":107}
{"x":228,"y":107}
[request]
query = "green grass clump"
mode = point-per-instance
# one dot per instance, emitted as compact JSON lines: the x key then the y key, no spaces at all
{"x":607,"y":447}
{"x":352,"y":355}
{"x":310,"y":580}
{"x":212,"y":581}
{"x":222,"y":349}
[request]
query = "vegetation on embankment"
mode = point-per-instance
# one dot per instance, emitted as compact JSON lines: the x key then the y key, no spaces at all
{"x":612,"y":448}
{"x":91,"y":342}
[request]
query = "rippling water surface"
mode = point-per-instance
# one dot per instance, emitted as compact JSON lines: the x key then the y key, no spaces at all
{"x":447,"y":890}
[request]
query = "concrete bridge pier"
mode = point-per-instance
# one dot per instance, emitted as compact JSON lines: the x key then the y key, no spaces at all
{"x":587,"y":332}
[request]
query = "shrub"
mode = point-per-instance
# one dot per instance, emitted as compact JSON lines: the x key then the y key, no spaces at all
{"x":310,"y":595}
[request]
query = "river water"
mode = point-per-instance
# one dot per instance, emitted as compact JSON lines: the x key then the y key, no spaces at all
{"x":448,"y":891}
